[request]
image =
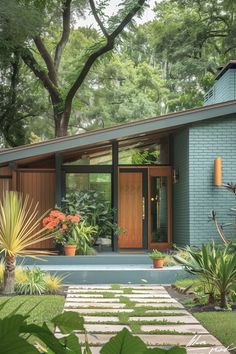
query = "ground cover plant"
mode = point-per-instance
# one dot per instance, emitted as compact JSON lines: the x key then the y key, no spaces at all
{"x":132,"y":314}
{"x":34,"y":281}
{"x":15,"y":333}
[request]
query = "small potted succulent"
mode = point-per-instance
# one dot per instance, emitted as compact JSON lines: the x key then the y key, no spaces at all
{"x":157,"y":258}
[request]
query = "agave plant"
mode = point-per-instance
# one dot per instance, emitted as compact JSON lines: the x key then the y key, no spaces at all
{"x":216,"y":265}
{"x":19,"y":230}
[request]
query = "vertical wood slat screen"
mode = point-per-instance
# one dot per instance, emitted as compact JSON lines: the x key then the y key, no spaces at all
{"x":40,"y":186}
{"x":5,"y":185}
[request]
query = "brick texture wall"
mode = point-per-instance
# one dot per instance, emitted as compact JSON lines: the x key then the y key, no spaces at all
{"x":207,"y":141}
{"x":181,"y":234}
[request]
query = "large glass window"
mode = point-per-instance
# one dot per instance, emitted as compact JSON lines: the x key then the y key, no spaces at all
{"x":144,"y":152}
{"x":159,"y":209}
{"x":96,"y":156}
{"x":91,"y":195}
{"x":101,"y":182}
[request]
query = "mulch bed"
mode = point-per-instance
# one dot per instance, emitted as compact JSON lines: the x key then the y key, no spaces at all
{"x":180,"y":296}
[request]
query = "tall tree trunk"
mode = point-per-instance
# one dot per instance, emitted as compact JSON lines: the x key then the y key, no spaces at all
{"x":9,"y":275}
{"x":211,"y":298}
{"x":61,"y":119}
{"x":223,"y":302}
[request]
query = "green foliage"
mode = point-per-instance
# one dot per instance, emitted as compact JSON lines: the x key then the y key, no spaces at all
{"x":124,"y":343}
{"x":53,"y":283}
{"x":146,"y":157}
{"x":14,"y":331}
{"x":34,"y":283}
{"x":68,"y":322}
{"x":157,"y":255}
{"x":216,"y":265}
{"x":93,"y":208}
{"x":149,"y":72}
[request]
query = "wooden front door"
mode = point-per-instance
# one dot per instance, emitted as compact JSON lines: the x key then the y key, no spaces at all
{"x":145,"y":207}
{"x":132,"y":206}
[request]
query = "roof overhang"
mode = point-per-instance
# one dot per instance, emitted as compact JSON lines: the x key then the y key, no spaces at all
{"x":106,"y":136}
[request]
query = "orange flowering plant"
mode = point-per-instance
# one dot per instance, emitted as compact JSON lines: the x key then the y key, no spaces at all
{"x":65,"y":224}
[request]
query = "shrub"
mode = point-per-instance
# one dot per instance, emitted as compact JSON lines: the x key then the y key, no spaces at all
{"x":19,"y":223}
{"x":34,"y":283}
{"x":20,"y":275}
{"x":94,"y":208}
{"x":1,"y":272}
{"x":53,"y":283}
{"x":157,"y":255}
{"x":217,"y":268}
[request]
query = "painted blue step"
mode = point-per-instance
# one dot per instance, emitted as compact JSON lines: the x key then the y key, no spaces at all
{"x":100,"y":259}
{"x":106,"y":269}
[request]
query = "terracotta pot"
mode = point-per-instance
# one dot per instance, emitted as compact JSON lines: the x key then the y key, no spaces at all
{"x":70,"y":250}
{"x":158,"y":263}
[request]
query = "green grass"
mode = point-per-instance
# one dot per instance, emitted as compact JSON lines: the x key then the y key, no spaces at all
{"x":40,"y":308}
{"x":107,"y":295}
{"x":221,"y":325}
{"x":185,"y":283}
{"x":115,"y":287}
{"x":129,"y":304}
{"x":127,"y":291}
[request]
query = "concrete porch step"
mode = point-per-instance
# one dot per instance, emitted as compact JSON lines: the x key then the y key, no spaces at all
{"x":106,"y":269}
{"x":119,"y":274}
{"x":99,"y":259}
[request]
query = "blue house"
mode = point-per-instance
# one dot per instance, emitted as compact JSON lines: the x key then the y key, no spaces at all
{"x":158,"y":173}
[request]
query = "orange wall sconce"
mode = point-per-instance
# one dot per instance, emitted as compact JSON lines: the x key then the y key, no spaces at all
{"x":218,"y":172}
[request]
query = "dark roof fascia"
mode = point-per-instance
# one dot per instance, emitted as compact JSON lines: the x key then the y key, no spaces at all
{"x":230,"y":65}
{"x":173,"y":120}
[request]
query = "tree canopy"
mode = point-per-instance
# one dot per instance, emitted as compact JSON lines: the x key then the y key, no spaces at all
{"x":57,"y":77}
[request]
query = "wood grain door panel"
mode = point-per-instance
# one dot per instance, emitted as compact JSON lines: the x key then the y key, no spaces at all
{"x":130,"y":214}
{"x":40,"y":186}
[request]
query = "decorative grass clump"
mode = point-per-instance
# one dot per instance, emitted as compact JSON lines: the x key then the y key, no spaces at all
{"x":34,"y":281}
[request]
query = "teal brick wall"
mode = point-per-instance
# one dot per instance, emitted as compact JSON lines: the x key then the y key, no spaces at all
{"x":208,"y":140}
{"x":181,"y":235}
{"x":224,"y":89}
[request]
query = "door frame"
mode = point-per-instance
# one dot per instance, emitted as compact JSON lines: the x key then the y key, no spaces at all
{"x":161,"y":171}
{"x":145,"y":178}
{"x":147,"y":173}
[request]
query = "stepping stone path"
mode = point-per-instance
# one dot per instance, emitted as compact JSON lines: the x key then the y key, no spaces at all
{"x":147,"y":311}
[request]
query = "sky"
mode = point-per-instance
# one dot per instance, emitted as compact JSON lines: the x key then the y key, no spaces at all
{"x":112,"y":9}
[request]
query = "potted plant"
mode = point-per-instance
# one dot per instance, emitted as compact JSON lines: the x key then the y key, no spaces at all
{"x":157,"y":258}
{"x":70,"y":247}
{"x":66,"y":227}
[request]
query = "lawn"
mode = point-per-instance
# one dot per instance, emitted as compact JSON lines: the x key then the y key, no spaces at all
{"x":221,"y":325}
{"x":40,"y":308}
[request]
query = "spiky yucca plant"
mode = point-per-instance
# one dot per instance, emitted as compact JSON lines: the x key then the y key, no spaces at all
{"x":216,"y":266}
{"x":19,"y":230}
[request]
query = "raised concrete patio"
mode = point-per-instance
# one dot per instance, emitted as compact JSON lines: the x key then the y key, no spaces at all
{"x":107,"y":268}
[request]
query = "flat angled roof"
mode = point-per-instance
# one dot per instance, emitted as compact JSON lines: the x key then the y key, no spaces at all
{"x":119,"y":132}
{"x":222,"y":69}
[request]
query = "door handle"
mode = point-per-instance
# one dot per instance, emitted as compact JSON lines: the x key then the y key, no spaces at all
{"x":143,"y":208}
